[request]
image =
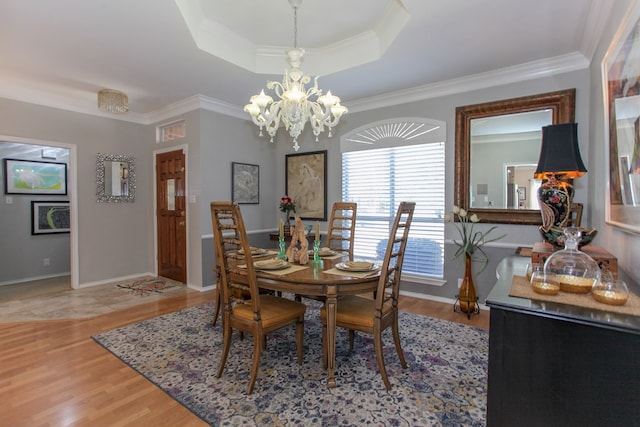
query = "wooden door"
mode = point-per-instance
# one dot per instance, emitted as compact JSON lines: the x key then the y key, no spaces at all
{"x":171,"y":215}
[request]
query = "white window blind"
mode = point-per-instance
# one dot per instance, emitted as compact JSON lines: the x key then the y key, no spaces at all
{"x":378,"y":180}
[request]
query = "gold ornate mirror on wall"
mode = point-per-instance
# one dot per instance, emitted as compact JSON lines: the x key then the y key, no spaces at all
{"x":554,"y":107}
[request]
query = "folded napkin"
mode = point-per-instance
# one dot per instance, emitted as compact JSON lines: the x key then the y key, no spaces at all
{"x":271,"y":263}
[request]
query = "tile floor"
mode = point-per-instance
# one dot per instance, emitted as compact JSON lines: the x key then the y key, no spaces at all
{"x":55,"y":301}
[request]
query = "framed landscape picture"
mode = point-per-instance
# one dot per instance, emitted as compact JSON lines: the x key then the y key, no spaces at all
{"x":245,"y":183}
{"x":34,"y":177}
{"x":306,"y":184}
{"x":48,"y":217}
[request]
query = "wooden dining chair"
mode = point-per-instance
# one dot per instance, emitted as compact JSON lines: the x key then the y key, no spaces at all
{"x":340,"y":234}
{"x":372,"y":316}
{"x":262,"y":313}
{"x":341,"y":228}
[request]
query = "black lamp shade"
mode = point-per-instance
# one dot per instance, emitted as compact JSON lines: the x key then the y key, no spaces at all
{"x":559,"y":153}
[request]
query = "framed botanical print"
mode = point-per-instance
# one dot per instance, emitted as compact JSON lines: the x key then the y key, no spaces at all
{"x":245,"y":183}
{"x":306,"y":183}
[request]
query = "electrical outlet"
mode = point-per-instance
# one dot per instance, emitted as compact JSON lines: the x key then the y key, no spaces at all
{"x":459,"y":282}
{"x":45,"y":262}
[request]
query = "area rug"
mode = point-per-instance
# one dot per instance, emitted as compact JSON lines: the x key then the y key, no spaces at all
{"x":148,"y":285}
{"x":445,"y":383}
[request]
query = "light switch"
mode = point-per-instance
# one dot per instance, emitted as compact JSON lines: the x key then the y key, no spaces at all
{"x":8,"y":200}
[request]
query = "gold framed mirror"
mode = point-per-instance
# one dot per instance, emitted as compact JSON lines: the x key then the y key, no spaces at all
{"x":560,"y":105}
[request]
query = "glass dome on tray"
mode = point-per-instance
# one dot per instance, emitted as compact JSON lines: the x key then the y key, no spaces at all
{"x":573,"y":270}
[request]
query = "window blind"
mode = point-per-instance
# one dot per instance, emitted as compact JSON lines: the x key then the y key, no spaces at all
{"x":378,"y":180}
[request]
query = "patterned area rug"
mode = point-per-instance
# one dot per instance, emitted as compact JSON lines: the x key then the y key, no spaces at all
{"x":445,"y":383}
{"x":146,"y":286}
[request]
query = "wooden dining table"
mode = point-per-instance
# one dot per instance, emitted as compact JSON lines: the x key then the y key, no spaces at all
{"x":315,"y":280}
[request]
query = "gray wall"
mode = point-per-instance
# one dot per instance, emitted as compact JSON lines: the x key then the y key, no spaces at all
{"x":114,"y":240}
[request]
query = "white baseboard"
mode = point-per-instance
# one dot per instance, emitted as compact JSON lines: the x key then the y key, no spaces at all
{"x":115,"y":279}
{"x":30,"y":279}
{"x":437,"y":299}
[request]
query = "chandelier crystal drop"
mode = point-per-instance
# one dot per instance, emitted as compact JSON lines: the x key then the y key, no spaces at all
{"x":295,"y":105}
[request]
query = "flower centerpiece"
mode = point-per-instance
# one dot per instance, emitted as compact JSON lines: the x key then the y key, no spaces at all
{"x":287,"y":205}
{"x":470,"y":244}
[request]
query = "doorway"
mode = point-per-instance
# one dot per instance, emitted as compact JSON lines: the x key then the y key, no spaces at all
{"x":34,"y":149}
{"x":171,"y":215}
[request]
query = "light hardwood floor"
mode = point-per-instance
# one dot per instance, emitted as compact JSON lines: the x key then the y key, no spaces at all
{"x":53,"y":374}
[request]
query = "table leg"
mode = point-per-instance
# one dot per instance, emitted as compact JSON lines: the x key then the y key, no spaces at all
{"x":330,"y":305}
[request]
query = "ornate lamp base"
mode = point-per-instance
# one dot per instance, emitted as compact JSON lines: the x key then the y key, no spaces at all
{"x":471,"y":307}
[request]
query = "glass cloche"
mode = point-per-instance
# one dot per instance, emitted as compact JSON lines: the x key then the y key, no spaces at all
{"x":574,"y":270}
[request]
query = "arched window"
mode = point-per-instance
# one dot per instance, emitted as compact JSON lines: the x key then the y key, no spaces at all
{"x":391,"y":161}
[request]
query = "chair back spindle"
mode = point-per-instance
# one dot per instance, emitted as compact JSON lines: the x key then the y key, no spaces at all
{"x":341,"y":228}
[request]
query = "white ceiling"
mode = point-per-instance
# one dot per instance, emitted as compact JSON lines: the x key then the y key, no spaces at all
{"x":60,"y":53}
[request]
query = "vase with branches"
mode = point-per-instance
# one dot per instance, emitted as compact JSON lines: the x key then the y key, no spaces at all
{"x":470,"y":244}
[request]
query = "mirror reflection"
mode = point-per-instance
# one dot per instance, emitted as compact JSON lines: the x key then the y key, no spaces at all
{"x":116,"y":181}
{"x":628,"y":148}
{"x":115,"y":178}
{"x":504,"y":153}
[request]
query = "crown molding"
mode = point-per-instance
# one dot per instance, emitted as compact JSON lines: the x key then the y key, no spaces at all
{"x":194,"y":103}
{"x":528,"y":71}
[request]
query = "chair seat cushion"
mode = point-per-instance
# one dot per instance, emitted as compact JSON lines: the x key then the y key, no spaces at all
{"x":273,"y":310}
{"x":356,"y":310}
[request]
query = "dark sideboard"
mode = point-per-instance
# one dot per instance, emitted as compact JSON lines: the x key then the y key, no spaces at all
{"x":559,"y":365}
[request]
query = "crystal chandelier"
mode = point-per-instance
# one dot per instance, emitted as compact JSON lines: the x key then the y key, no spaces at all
{"x":295,"y":107}
{"x":113,"y":101}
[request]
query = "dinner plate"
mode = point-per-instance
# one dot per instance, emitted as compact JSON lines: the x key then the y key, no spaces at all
{"x":271,"y":264}
{"x":254,"y":251}
{"x":356,"y":266}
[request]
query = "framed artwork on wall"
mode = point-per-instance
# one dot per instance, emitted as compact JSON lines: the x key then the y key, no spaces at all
{"x":49,"y":217}
{"x":621,"y":84}
{"x":245,"y":183}
{"x":306,"y":184}
{"x":34,"y":177}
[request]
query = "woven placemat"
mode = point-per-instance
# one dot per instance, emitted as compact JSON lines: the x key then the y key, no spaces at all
{"x":521,"y":288}
{"x":282,"y":272}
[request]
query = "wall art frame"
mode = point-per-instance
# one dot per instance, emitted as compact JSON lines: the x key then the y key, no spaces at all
{"x":126,"y":178}
{"x":306,"y":183}
{"x":50,"y":217}
{"x":35,"y":177}
{"x":621,"y":95}
{"x":245,"y":183}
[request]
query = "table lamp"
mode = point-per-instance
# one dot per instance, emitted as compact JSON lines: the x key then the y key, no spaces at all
{"x":559,"y":164}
